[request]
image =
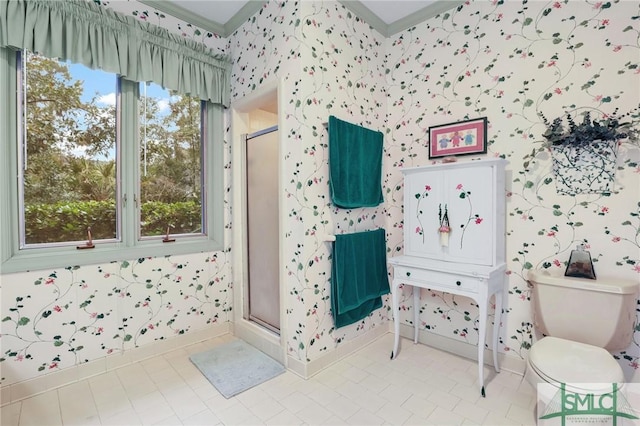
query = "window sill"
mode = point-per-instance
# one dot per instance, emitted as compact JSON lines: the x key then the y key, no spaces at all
{"x":38,"y":259}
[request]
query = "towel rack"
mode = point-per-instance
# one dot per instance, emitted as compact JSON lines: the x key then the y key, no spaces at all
{"x":326,"y":124}
{"x":328,"y":237}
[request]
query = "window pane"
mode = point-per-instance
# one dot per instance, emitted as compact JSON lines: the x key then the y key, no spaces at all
{"x":170,"y":163}
{"x":68,"y":151}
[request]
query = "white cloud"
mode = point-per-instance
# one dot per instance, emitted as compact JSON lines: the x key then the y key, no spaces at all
{"x":163,"y":105}
{"x":108,"y":99}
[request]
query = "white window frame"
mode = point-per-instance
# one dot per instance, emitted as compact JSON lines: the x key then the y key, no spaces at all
{"x":15,"y":259}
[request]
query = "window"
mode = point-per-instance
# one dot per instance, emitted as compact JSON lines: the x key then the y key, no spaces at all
{"x":67,"y":168}
{"x":170,"y":163}
{"x":123,"y":168}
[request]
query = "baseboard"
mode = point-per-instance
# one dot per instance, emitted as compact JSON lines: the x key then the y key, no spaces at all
{"x":466,"y":350}
{"x":311,"y":368}
{"x":263,"y":339}
{"x":18,"y":391}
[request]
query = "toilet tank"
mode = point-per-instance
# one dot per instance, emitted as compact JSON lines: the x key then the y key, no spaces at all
{"x":598,"y":312}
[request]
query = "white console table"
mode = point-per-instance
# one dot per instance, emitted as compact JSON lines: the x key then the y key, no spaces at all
{"x":467,"y":200}
{"x":478,"y":283}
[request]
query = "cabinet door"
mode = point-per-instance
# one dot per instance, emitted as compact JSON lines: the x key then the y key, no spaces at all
{"x":423,"y":195}
{"x":470,"y":201}
{"x":467,"y":195}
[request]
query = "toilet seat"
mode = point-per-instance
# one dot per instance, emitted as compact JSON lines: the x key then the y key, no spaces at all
{"x":564,"y":361}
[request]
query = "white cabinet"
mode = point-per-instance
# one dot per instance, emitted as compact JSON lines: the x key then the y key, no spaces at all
{"x":472,"y":196}
{"x":471,"y":262}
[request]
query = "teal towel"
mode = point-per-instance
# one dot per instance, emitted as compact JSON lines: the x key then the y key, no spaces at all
{"x":355,"y":165}
{"x":358,"y":275}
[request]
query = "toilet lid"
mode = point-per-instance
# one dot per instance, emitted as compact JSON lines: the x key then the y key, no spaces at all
{"x":568,"y":362}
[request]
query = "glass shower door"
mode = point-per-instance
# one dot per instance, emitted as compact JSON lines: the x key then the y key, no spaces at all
{"x":263,"y":283}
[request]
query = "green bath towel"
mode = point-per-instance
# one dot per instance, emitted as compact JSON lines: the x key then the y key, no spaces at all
{"x":358,"y":275}
{"x":355,"y":165}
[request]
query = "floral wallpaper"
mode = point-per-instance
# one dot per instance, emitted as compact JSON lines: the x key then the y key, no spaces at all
{"x":57,"y":319}
{"x":155,"y":17}
{"x":506,"y":61}
{"x":510,"y":61}
{"x":503,"y":60}
{"x":331,"y":64}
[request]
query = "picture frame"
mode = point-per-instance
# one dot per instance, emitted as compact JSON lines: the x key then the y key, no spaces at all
{"x":459,"y":138}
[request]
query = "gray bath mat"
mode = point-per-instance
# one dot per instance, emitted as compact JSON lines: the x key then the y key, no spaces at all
{"x":235,"y":367}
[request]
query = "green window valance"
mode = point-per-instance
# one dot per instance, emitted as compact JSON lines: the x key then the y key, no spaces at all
{"x":97,"y":37}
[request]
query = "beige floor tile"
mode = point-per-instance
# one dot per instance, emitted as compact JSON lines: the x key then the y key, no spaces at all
{"x":393,"y":413}
{"x":444,"y":400}
{"x":41,"y":409}
{"x":440,"y":416}
{"x":203,"y":418}
{"x":169,"y":421}
{"x":186,"y":406}
{"x":152,"y":417}
{"x":396,"y":394}
{"x":77,"y":405}
{"x":219,"y":403}
{"x":324,"y":395}
{"x":471,"y":411}
{"x":364,"y":417}
{"x":374,"y":383}
{"x":423,"y":386}
{"x":235,"y":415}
{"x":296,"y":402}
{"x":469,"y":393}
{"x":524,"y":416}
{"x":284,"y":418}
{"x":416,"y":420}
{"x":123,"y":418}
{"x":118,"y":404}
{"x":266,"y":409}
{"x":343,"y":408}
{"x":314,"y":413}
{"x":330,"y":378}
{"x":420,"y":407}
{"x":498,"y":419}
{"x":10,"y":414}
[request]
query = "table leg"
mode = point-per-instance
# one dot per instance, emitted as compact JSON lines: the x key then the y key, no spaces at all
{"x":496,"y":329}
{"x":416,"y":312}
{"x":396,"y":317}
{"x":482,"y":335}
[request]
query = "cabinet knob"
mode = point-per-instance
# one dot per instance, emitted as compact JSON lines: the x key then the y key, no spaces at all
{"x":458,"y":283}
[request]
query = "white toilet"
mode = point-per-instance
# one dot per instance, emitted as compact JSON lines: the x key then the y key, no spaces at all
{"x":583,"y":320}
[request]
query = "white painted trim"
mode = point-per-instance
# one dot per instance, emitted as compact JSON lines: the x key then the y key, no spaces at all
{"x":28,"y":388}
{"x":311,"y":368}
{"x":263,"y":339}
{"x":223,"y":29}
{"x":240,"y":125}
{"x":388,"y":30}
{"x":466,"y":350}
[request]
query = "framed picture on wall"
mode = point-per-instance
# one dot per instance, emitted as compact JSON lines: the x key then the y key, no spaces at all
{"x":461,"y":138}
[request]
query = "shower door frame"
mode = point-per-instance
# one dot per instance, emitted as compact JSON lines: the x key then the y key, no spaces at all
{"x":246,"y":312}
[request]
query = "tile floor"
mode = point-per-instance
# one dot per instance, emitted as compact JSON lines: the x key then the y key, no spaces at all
{"x":423,"y":386}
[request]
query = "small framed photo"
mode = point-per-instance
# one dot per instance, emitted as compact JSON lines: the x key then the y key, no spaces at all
{"x":461,"y":138}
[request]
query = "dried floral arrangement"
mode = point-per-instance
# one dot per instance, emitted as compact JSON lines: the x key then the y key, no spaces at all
{"x":566,"y":131}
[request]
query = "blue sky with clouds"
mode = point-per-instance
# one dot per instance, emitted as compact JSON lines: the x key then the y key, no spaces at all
{"x":104,"y":84}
